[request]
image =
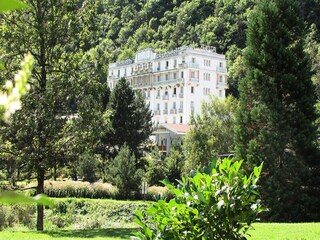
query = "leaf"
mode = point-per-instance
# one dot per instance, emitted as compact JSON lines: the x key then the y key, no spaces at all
{"x":8,"y":5}
{"x":16,"y":198}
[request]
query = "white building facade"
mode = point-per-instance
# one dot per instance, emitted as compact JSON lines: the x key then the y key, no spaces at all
{"x":176,"y":82}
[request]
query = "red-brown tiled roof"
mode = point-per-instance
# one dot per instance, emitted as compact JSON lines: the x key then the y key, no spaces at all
{"x":176,"y":128}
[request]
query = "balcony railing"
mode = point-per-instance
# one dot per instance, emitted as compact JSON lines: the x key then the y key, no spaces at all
{"x":193,"y":65}
{"x":180,"y":95}
{"x":174,"y":95}
{"x":165,"y":111}
{"x":222,"y":84}
{"x":173,"y":111}
{"x":196,"y":80}
{"x":168,"y":82}
{"x":222,"y":69}
{"x":182,"y":65}
{"x":180,"y":110}
{"x":157,"y":112}
{"x":165,"y":97}
{"x":158,"y":97}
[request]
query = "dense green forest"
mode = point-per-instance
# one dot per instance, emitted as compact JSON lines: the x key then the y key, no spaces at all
{"x":123,"y":27}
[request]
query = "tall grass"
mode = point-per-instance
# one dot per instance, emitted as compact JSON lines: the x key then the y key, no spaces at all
{"x":79,"y":189}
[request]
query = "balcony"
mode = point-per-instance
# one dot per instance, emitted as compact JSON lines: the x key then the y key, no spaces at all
{"x":195,"y":80}
{"x":158,"y":97}
{"x":180,"y":95}
{"x":174,"y":95}
{"x":180,"y":110}
{"x":222,"y":85}
{"x":222,"y":69}
{"x":165,"y":111}
{"x":157,"y":112}
{"x":168,"y":82}
{"x":182,"y":65}
{"x":173,"y":111}
{"x":193,"y":65}
{"x":165,"y":97}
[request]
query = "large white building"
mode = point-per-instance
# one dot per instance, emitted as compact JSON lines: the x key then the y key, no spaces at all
{"x":175,"y":82}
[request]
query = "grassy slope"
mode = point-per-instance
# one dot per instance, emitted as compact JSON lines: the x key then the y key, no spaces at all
{"x":263,"y":231}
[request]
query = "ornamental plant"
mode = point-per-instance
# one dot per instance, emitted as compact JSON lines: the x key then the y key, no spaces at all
{"x":220,"y":205}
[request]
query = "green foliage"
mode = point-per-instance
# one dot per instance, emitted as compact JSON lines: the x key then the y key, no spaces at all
{"x":219,"y":205}
{"x":125,"y":174}
{"x":211,"y":133}
{"x":275,"y":121}
{"x":73,"y":214}
{"x":12,"y":215}
{"x":88,"y":167}
{"x":161,"y":167}
{"x":8,"y":5}
{"x":14,"y":198}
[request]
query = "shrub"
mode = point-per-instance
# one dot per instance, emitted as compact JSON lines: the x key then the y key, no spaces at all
{"x":219,"y":205}
{"x":156,"y":193}
{"x":11,"y":215}
{"x":79,"y":189}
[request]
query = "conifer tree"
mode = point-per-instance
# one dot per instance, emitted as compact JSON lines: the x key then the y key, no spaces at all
{"x":276,"y":113}
{"x":130,"y":119}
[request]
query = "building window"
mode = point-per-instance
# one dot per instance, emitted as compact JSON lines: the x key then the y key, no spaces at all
{"x":220,"y":64}
{"x":193,"y":74}
{"x":158,"y":106}
{"x":206,"y":76}
{"x":220,"y":78}
{"x":166,"y":106}
{"x":207,"y":63}
{"x":174,"y":91}
{"x":119,"y":73}
{"x":193,"y":60}
{"x":181,"y":104}
{"x":174,"y":76}
{"x":159,"y":66}
{"x":192,"y":89}
{"x":181,"y":74}
{"x":206,"y":91}
{"x":175,"y":63}
{"x":167,"y":64}
{"x":158,"y":78}
{"x":181,"y":89}
{"x":166,"y":92}
{"x":158,"y":93}
{"x":180,"y":119}
{"x":167,"y":77}
{"x":174,"y":105}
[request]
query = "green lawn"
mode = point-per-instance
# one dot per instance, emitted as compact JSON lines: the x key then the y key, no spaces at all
{"x":263,"y":231}
{"x":96,"y":234}
{"x":286,"y":231}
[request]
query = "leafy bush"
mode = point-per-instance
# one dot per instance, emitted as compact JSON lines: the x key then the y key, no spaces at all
{"x":11,"y":215}
{"x":219,"y":205}
{"x":79,"y":189}
{"x":89,"y":213}
{"x":73,"y":213}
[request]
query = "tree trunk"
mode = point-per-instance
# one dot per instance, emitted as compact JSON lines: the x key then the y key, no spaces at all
{"x":40,"y":209}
